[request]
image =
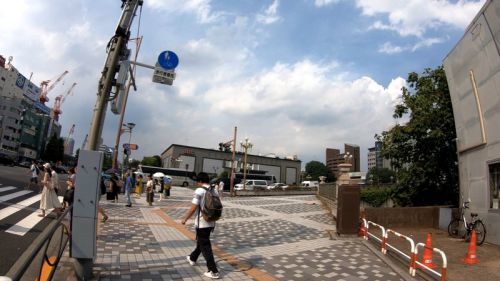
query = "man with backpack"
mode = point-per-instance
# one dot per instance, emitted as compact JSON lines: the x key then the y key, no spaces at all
{"x":208,"y":208}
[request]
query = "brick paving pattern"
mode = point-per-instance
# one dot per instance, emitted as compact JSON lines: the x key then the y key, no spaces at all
{"x":258,"y":238}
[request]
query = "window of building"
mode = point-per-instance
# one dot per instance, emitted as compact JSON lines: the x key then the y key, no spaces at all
{"x":494,"y":170}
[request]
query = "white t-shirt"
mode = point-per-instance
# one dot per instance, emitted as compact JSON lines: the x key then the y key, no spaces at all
{"x":199,"y":193}
{"x":221,"y":185}
{"x":33,"y":171}
{"x":54,"y":180}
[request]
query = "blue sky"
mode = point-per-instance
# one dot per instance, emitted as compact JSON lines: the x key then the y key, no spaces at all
{"x":295,"y":76}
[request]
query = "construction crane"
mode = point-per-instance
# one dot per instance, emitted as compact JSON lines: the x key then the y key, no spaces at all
{"x":66,"y":142}
{"x":59,"y":101}
{"x":45,"y":88}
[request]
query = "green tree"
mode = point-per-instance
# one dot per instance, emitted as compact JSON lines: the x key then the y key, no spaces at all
{"x":54,"y":151}
{"x":383,"y":175}
{"x":135,"y":163}
{"x":315,"y":169}
{"x":423,"y":150}
{"x":154,"y":161}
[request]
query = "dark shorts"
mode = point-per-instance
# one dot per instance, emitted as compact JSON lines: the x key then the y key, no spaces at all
{"x":34,"y":179}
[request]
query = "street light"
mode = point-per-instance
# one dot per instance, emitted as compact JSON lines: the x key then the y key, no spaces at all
{"x":129,"y":126}
{"x":246,"y":145}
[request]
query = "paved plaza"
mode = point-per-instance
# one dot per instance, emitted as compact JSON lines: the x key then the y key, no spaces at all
{"x":258,"y":238}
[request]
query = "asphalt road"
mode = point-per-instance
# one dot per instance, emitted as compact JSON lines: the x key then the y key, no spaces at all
{"x":13,"y":245}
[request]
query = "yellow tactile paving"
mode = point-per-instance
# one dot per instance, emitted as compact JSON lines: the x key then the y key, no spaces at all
{"x":253,"y":272}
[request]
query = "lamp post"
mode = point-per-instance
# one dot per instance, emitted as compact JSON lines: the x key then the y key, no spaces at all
{"x":129,"y":127}
{"x":246,"y":145}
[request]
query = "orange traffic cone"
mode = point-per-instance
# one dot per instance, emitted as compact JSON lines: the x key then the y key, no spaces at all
{"x":471,"y":257}
{"x":427,"y":258}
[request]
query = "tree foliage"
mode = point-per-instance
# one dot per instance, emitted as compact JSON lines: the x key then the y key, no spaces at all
{"x":54,"y":151}
{"x":423,"y":150}
{"x":381,"y":176}
{"x":315,"y":169}
{"x":154,"y":161}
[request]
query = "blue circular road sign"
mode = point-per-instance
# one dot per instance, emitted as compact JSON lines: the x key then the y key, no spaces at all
{"x":168,"y":60}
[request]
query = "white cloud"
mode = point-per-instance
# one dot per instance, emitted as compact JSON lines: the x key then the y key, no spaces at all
{"x":388,"y":48}
{"x":270,"y":15}
{"x":201,"y":8}
{"x":415,"y":17}
{"x":427,"y":42}
{"x":321,"y":3}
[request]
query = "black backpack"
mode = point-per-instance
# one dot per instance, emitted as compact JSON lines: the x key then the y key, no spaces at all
{"x":211,"y":206}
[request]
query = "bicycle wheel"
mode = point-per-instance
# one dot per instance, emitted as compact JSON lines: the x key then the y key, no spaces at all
{"x":453,"y":228}
{"x":480,"y":232}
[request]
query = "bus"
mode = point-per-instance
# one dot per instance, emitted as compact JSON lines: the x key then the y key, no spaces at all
{"x":180,"y":177}
{"x":238,"y":178}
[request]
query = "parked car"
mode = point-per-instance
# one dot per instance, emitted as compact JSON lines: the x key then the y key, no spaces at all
{"x":252,"y":185}
{"x":6,"y":160}
{"x":310,"y":184}
{"x":277,"y":185}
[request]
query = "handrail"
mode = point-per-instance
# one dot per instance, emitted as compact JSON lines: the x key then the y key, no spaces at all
{"x":412,"y":258}
{"x":423,"y":266}
{"x":382,"y":240}
{"x":26,"y":259}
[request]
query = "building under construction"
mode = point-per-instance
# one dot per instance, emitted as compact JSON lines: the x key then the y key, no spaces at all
{"x":26,"y":124}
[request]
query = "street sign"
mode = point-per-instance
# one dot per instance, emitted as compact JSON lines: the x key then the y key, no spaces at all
{"x":168,"y":60}
{"x":130,"y":146}
{"x":163,"y":76}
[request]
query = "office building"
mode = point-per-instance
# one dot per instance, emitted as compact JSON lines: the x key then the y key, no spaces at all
{"x":350,"y":155}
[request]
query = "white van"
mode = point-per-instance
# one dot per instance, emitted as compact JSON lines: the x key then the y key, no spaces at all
{"x":252,"y":185}
{"x":310,"y":184}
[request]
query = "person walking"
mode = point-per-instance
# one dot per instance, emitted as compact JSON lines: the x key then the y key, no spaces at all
{"x":168,"y":185}
{"x":220,"y":187}
{"x":55,"y":180}
{"x":203,"y":229}
{"x":115,"y":189}
{"x":34,"y":175}
{"x":150,"y":190}
{"x":138,"y":186}
{"x":70,"y":190}
{"x":129,"y":183}
{"x":162,"y":188}
{"x":49,"y":198}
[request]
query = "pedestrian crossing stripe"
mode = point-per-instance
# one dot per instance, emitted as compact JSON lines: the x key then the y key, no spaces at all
{"x":19,"y":206}
{"x":25,"y":225}
{"x":14,"y":195}
{"x":2,"y":189}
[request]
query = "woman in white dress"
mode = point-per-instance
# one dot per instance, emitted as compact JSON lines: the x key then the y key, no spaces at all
{"x":49,"y":198}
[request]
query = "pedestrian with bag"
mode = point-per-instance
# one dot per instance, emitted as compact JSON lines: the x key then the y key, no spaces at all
{"x":49,"y":198}
{"x":168,"y":186}
{"x":150,"y":193}
{"x":162,"y":188}
{"x":206,"y":204}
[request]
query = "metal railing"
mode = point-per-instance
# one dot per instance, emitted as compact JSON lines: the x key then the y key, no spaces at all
{"x":414,"y":264}
{"x":48,"y":247}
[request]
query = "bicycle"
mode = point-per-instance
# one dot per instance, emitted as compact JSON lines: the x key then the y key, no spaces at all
{"x":460,"y":225}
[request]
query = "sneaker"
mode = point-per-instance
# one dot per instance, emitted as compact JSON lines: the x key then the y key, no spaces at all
{"x":193,"y":263}
{"x":213,"y":275}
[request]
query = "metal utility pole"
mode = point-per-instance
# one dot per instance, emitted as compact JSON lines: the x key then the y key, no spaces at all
{"x":246,"y":145}
{"x":124,"y":106}
{"x":83,"y":238}
{"x":116,"y":47}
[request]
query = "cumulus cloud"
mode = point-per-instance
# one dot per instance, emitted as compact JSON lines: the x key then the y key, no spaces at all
{"x":415,"y":17}
{"x":270,"y":15}
{"x":201,"y":8}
